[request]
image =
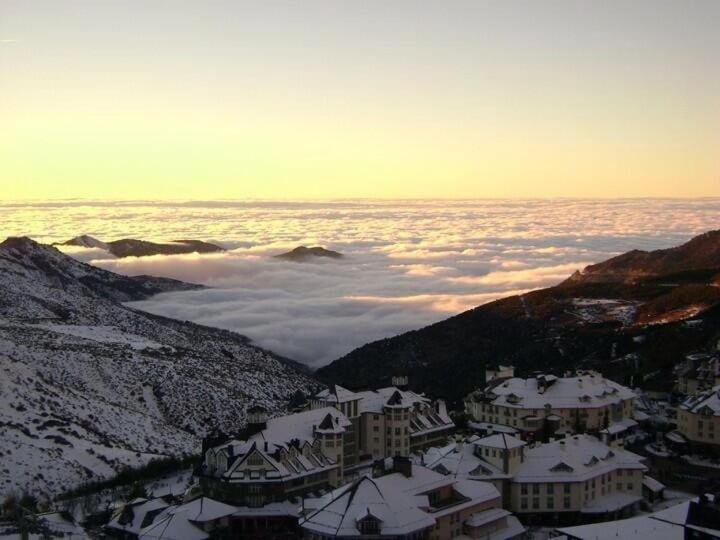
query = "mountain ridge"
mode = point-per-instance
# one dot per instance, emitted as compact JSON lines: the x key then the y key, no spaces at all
{"x":606,"y":321}
{"x":131,"y":247}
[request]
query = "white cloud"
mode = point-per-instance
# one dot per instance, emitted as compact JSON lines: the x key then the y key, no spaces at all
{"x":407,"y":264}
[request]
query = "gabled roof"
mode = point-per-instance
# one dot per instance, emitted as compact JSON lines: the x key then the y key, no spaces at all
{"x":336,"y":394}
{"x":707,"y":402}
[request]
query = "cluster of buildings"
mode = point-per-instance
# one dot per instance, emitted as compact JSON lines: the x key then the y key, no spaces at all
{"x":388,"y":463}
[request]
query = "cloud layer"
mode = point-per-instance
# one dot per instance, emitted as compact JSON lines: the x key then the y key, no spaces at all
{"x":407,"y":264}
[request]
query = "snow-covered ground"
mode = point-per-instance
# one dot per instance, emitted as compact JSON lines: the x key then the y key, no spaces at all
{"x":89,"y":386}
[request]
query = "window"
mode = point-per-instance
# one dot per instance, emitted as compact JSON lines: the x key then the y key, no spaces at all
{"x":369,"y":525}
{"x":618,"y":486}
{"x":536,"y":503}
{"x":376,"y":428}
{"x":536,"y":489}
{"x":566,"y":489}
{"x":629,"y":486}
{"x":549,"y":489}
{"x":523,"y":503}
{"x":523,"y":489}
{"x":566,"y":502}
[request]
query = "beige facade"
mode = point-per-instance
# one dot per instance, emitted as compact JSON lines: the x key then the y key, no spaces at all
{"x":579,"y":404}
{"x":387,"y":422}
{"x":701,"y":427}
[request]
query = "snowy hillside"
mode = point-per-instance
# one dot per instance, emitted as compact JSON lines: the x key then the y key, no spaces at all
{"x":89,"y":386}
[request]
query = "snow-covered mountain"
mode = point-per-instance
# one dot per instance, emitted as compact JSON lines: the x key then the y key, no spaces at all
{"x":89,"y":386}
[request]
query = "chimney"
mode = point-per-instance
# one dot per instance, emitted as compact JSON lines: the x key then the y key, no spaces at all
{"x":402,"y":465}
{"x":459,"y":445}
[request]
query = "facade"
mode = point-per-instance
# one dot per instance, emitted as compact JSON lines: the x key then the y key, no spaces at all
{"x":698,"y":373}
{"x":698,"y":420}
{"x":388,"y":422}
{"x":406,"y":501}
{"x":571,"y":480}
{"x":545,"y":405}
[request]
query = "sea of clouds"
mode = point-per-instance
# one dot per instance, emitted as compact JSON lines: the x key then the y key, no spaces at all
{"x":407,"y":263}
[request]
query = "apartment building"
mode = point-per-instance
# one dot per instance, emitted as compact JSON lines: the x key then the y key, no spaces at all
{"x":390,"y":421}
{"x":698,"y":373}
{"x":575,"y":479}
{"x":406,"y":501}
{"x":698,"y":420}
{"x":542,"y":406}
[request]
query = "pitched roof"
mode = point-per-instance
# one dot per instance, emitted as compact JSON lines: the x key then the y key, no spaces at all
{"x":339,"y":512}
{"x":708,"y":401}
{"x":500,"y":440}
{"x":573,"y":459}
{"x":561,"y":392}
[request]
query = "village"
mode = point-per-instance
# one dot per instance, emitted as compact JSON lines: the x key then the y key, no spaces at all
{"x":575,"y":456}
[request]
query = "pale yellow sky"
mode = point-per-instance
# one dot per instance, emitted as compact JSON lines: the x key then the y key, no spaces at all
{"x":326,"y":99}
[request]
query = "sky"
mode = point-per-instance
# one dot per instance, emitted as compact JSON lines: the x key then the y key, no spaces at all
{"x":223,"y":99}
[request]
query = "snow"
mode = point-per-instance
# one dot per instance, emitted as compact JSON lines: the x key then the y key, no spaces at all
{"x":105,"y":334}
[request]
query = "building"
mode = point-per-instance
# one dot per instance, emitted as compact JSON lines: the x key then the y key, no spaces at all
{"x":387,"y":422}
{"x":691,"y":519}
{"x":407,"y":501}
{"x":277,"y":463}
{"x":128,"y":520}
{"x":198,"y":519}
{"x":575,"y":479}
{"x":499,"y":372}
{"x":545,"y":405}
{"x":698,"y":373}
{"x":698,"y":421}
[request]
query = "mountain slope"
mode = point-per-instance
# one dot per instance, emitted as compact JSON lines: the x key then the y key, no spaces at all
{"x":93,"y":385}
{"x":627,"y":327}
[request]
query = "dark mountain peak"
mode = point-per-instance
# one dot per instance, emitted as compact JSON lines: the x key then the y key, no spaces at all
{"x":19,"y":243}
{"x":304,"y":253}
{"x":131,"y":247}
{"x":85,"y":240}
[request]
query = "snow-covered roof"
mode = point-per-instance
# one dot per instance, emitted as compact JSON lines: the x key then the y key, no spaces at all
{"x":173,"y":527}
{"x":620,"y":426}
{"x":299,"y":425}
{"x":180,"y":522}
{"x":460,"y":461}
{"x":652,"y":484}
{"x":340,"y":512}
{"x":500,"y":440}
{"x":204,"y":509}
{"x":672,"y":523}
{"x":582,"y":391}
{"x":707,"y":402}
{"x":573,"y":459}
{"x":373,"y":401}
{"x":131,"y":517}
{"x":336,"y":394}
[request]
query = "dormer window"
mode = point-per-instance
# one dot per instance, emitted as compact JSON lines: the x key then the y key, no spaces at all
{"x":369,"y":525}
{"x":562,"y":467}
